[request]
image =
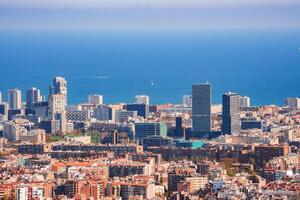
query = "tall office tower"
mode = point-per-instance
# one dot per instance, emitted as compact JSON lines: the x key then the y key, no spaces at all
{"x":142,"y":99}
{"x":293,"y":102}
{"x":0,"y":97}
{"x":178,"y":132}
{"x":187,"y":100}
{"x":201,"y":108}
{"x":231,"y":122}
{"x":95,"y":99}
{"x":15,"y":99}
{"x":33,"y":95}
{"x":245,"y":102}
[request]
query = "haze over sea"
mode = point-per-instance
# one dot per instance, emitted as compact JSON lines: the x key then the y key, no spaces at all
{"x":261,"y":64}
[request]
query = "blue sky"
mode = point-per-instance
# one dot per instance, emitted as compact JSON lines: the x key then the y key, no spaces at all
{"x":149,"y":14}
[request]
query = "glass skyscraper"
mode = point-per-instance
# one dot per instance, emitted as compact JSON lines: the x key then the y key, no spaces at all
{"x":231,"y":122}
{"x":201,"y":108}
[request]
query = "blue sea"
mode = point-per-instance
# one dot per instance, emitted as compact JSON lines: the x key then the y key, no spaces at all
{"x":264,"y":65}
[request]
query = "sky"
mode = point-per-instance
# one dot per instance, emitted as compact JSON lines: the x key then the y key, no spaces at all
{"x":149,"y":14}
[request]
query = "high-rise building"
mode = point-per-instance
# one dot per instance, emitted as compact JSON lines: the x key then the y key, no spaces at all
{"x":142,"y":109}
{"x":33,"y":95}
{"x":187,"y":100}
{"x":0,"y":97}
{"x":95,"y":99}
{"x":201,"y":108}
{"x":58,"y":103}
{"x":142,"y":99}
{"x":15,"y":99}
{"x":178,"y":132}
{"x":59,"y":86}
{"x":244,"y":102}
{"x":231,"y":122}
{"x":3,"y":111}
{"x":292,"y":102}
{"x":57,"y":110}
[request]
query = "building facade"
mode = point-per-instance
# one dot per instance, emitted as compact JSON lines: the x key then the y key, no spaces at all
{"x":231,"y":122}
{"x":201,"y":109}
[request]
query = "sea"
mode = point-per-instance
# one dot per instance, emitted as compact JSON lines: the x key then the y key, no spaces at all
{"x":263,"y":64}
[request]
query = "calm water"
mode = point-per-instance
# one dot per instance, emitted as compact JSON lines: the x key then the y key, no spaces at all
{"x":263,"y":65}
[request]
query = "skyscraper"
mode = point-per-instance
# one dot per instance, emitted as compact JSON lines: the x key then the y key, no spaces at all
{"x":231,"y":122}
{"x":59,"y":86}
{"x":201,"y":108}
{"x":57,"y":110}
{"x":142,"y":99}
{"x":56,"y":105}
{"x":58,"y":102}
{"x":95,"y":99}
{"x":15,"y":99}
{"x":33,"y":95}
{"x":0,"y":97}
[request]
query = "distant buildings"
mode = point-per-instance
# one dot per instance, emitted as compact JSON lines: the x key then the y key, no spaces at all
{"x":15,"y":99}
{"x":187,"y":100}
{"x":0,"y":97}
{"x":78,"y":115}
{"x":250,"y":123}
{"x":95,"y":99}
{"x":146,"y":129}
{"x":12,"y":131}
{"x":265,"y":153}
{"x":3,"y":111}
{"x":123,"y":115}
{"x":33,"y":95}
{"x":201,"y":109}
{"x":231,"y":122}
{"x":59,"y":86}
{"x":244,"y":102}
{"x":58,"y":104}
{"x":142,"y":109}
{"x":104,"y":113}
{"x":293,"y":102}
{"x":142,"y":99}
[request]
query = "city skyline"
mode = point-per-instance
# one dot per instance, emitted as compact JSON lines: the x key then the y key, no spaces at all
{"x":149,"y":99}
{"x":33,"y":93}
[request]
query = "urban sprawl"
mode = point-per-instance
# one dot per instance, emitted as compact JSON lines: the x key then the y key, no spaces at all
{"x":134,"y":151}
